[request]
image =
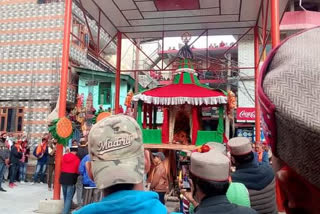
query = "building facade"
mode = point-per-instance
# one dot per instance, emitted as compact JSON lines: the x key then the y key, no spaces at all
{"x":31,"y":37}
{"x":101,"y":85}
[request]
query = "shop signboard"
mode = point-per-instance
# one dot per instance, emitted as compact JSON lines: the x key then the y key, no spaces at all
{"x":246,"y":114}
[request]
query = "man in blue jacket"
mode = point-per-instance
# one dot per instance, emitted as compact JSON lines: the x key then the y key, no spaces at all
{"x":41,"y":153}
{"x":117,"y":167}
{"x":86,"y":180}
{"x":90,"y":192}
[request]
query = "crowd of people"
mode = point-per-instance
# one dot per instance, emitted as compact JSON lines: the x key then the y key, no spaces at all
{"x":14,"y":156}
{"x":289,"y":97}
{"x":108,"y":169}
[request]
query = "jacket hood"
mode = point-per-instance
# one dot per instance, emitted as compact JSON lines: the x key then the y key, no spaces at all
{"x":123,"y":202}
{"x":69,"y":158}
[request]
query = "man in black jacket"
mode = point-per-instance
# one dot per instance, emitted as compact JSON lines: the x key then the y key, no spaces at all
{"x":210,"y":178}
{"x":51,"y":161}
{"x":15,"y":156}
{"x":82,"y":152}
{"x":257,"y":177}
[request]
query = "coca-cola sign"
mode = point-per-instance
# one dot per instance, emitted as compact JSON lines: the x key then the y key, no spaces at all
{"x":246,"y":114}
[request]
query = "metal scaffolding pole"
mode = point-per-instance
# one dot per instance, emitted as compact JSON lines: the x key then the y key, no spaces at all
{"x":118,"y":71}
{"x":275,"y":20}
{"x":256,"y":77}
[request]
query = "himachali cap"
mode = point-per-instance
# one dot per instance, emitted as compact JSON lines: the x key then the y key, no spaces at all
{"x":211,"y":166}
{"x":116,"y":151}
{"x":219,"y":147}
{"x":239,"y":146}
{"x":289,"y":96}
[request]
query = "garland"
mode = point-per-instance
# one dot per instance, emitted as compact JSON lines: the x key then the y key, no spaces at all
{"x":61,"y":130}
{"x":101,"y":114}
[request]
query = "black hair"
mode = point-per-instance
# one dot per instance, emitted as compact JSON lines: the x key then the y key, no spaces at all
{"x":210,"y":188}
{"x":116,"y":188}
{"x":73,"y":149}
{"x":242,"y":159}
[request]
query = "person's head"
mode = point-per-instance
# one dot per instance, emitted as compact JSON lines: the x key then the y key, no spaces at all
{"x":74,"y":149}
{"x":289,"y":96}
{"x":83,"y":141}
{"x":46,"y":136}
{"x":241,"y":150}
{"x":116,"y":148}
{"x":158,"y":157}
{"x":3,"y":135}
{"x":209,"y":173}
{"x":74,"y":143}
{"x":44,"y":140}
{"x":258,"y":147}
{"x":206,"y":188}
{"x":265,"y":147}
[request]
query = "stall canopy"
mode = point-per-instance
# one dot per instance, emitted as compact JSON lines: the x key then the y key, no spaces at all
{"x":186,"y":89}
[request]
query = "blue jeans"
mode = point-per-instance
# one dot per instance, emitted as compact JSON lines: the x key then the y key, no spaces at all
{"x":161,"y":197}
{"x":68,"y":192}
{"x":2,"y":170}
{"x":23,"y":171}
{"x":40,"y":172}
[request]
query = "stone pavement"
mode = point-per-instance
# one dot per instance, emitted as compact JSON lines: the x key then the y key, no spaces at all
{"x":24,"y":199}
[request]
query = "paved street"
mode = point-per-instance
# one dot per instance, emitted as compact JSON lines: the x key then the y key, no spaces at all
{"x":24,"y":199}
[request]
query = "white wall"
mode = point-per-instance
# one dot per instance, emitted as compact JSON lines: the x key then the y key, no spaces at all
{"x":246,"y":59}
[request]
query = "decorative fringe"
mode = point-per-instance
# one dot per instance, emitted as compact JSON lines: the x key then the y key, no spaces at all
{"x":196,"y":101}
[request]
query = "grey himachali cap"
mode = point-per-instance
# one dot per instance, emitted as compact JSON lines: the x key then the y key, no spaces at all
{"x":116,"y":151}
{"x":240,"y":146}
{"x":220,"y":147}
{"x":211,"y":165}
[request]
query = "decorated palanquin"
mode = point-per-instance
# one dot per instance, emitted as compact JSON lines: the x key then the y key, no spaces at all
{"x":181,"y":103}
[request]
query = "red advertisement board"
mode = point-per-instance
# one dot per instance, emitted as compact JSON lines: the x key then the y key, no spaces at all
{"x":246,"y":114}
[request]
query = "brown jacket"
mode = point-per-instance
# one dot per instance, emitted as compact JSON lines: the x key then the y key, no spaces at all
{"x":160,"y":182}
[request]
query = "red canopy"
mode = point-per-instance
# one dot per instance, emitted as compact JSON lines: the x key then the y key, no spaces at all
{"x":177,"y":94}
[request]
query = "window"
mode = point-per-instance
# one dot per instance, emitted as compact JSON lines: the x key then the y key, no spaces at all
{"x":105,"y":93}
{"x":11,"y":119}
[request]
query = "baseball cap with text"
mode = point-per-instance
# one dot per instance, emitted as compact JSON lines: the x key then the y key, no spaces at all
{"x":116,"y":151}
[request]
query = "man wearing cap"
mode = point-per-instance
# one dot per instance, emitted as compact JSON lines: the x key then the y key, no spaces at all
{"x":117,"y":166}
{"x":159,"y":181}
{"x":258,"y":178}
{"x":68,"y":177}
{"x":4,"y":162}
{"x":210,"y":178}
{"x":289,"y":96}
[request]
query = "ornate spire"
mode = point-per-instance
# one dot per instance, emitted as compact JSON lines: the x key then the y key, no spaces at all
{"x":185,"y":52}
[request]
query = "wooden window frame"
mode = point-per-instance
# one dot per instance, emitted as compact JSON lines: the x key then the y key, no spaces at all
{"x":17,"y":115}
{"x":105,"y":100}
